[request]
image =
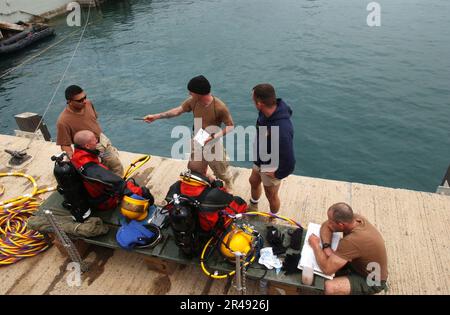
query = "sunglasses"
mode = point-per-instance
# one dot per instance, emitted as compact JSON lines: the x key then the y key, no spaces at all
{"x":81,"y":100}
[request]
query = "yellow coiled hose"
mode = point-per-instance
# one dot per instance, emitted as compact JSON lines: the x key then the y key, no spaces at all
{"x":16,"y":240}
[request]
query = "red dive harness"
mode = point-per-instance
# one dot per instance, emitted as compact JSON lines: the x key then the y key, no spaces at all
{"x":104,"y":188}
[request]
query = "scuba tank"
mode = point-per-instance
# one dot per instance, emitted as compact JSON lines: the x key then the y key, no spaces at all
{"x":183,"y":221}
{"x":70,"y":186}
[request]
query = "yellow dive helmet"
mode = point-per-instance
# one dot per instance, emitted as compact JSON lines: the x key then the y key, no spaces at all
{"x":134,"y":207}
{"x":237,"y":240}
{"x":194,"y":179}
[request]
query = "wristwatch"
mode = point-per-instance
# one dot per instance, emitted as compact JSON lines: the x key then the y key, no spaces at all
{"x":326,"y":245}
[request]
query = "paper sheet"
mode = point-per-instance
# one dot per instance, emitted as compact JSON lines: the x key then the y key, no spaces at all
{"x":307,"y":255}
{"x":268,"y":259}
{"x":201,"y":137}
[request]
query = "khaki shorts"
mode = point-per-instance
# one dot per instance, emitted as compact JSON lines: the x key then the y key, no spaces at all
{"x":267,"y":180}
{"x":220,"y":166}
{"x":109,"y":155}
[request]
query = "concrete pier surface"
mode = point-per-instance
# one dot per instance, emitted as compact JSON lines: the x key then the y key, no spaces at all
{"x":415,"y":226}
{"x":13,"y":11}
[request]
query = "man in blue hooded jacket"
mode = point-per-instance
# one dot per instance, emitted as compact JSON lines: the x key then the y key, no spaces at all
{"x":274,"y":146}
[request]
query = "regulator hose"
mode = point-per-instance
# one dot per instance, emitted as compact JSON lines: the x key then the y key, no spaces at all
{"x":215,"y":275}
{"x":135,"y":165}
{"x":234,"y":217}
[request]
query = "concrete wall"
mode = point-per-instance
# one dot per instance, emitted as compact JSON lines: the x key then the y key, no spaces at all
{"x":14,"y":10}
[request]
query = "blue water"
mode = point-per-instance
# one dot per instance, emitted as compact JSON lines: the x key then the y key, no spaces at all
{"x":370,"y":105}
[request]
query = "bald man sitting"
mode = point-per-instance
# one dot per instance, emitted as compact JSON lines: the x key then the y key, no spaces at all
{"x":360,"y":260}
{"x":105,"y":188}
{"x":85,"y":139}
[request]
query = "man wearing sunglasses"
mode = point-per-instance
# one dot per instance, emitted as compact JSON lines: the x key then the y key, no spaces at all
{"x":80,"y":115}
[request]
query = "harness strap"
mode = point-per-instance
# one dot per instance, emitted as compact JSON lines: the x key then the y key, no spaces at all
{"x":214,"y":107}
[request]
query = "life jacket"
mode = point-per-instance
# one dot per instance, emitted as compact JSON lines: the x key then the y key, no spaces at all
{"x":216,"y":219}
{"x":104,"y":188}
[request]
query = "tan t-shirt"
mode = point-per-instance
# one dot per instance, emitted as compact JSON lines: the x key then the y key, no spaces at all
{"x":363,"y":246}
{"x":214,"y":114}
{"x":70,"y":122}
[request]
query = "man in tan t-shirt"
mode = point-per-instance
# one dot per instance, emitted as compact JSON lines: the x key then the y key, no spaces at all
{"x":362,"y":250}
{"x":209,"y":113}
{"x":80,"y":115}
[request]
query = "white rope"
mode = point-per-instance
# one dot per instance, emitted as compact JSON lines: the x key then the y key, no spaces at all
{"x":62,"y":79}
{"x":35,"y":56}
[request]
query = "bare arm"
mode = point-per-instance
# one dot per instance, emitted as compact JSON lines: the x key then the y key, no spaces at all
{"x":221,"y":133}
{"x":68,"y":150}
{"x":326,"y":234}
{"x":228,"y":121}
{"x":177,"y":111}
{"x":224,"y":131}
{"x":328,"y":263}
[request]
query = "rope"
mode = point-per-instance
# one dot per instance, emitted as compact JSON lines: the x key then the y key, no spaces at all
{"x":16,"y":240}
{"x":62,"y":78}
{"x":35,"y":56}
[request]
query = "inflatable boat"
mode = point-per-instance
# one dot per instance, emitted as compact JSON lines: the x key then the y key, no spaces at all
{"x":25,"y":39}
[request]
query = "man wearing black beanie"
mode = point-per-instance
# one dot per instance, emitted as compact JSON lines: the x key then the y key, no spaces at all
{"x":199,"y":85}
{"x":209,"y":114}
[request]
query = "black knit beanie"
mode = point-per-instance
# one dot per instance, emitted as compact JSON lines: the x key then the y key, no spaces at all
{"x":199,"y":85}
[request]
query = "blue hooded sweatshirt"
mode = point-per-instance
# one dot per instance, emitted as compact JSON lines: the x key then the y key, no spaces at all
{"x":281,"y":118}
